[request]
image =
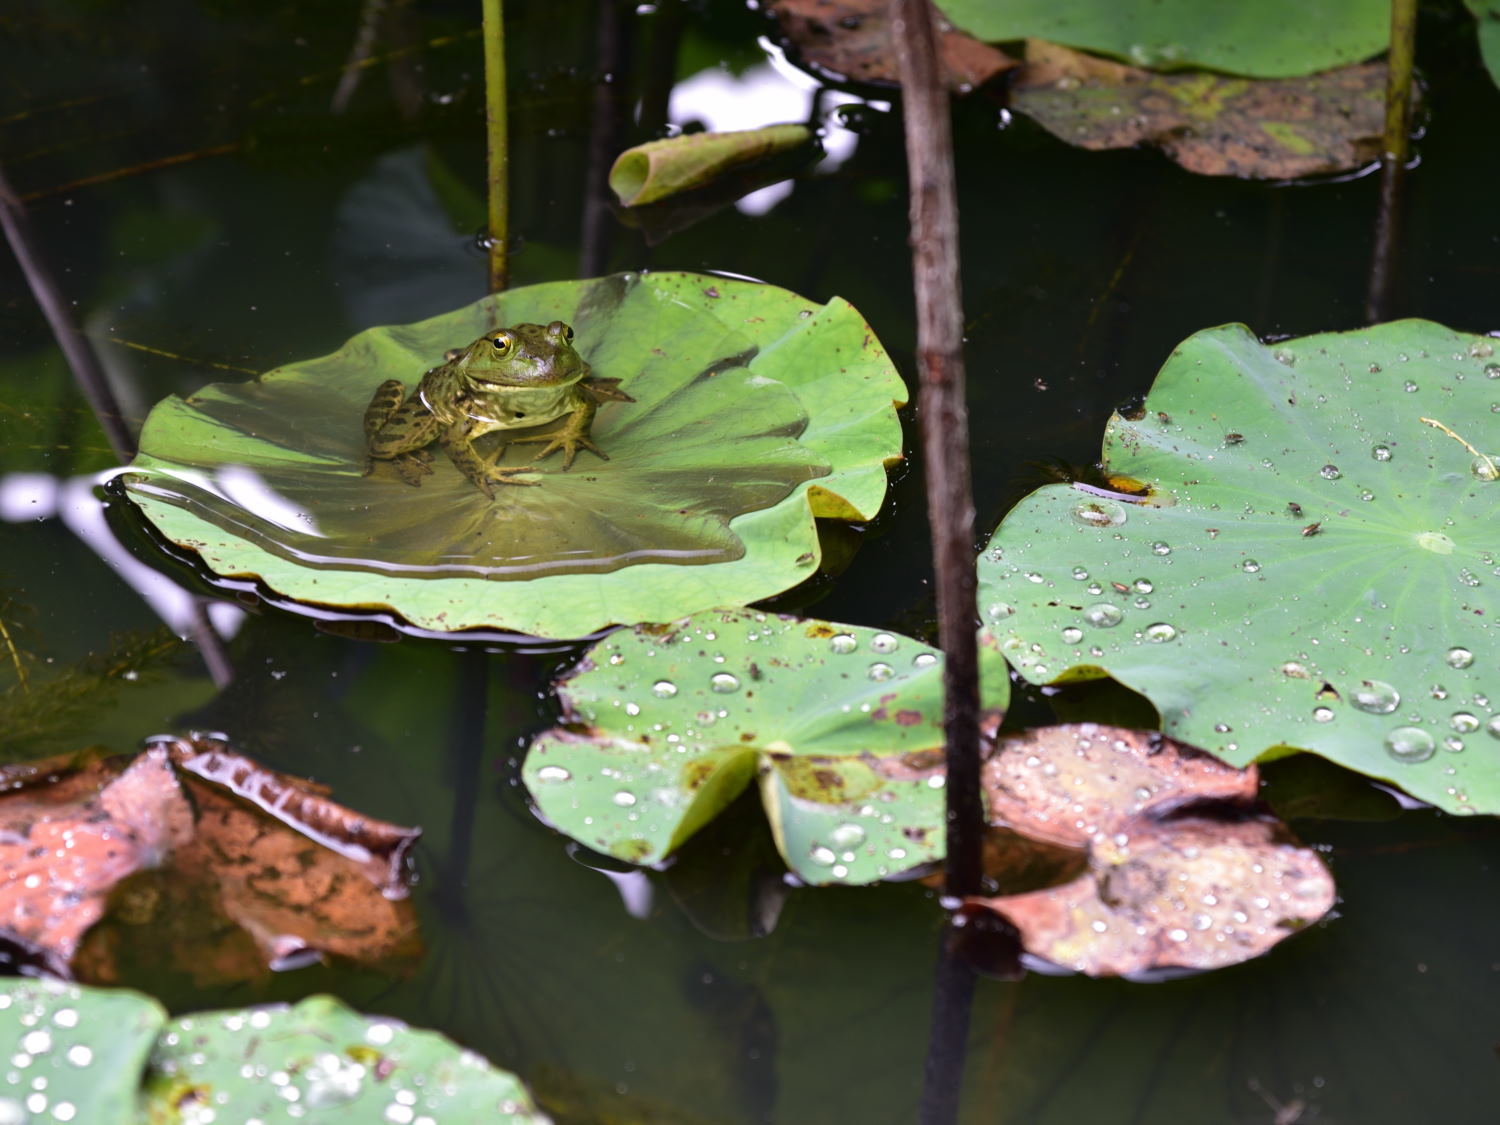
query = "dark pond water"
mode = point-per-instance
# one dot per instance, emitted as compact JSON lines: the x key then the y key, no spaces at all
{"x":712,"y":991}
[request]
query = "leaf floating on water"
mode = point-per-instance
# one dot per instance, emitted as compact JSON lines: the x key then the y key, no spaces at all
{"x":754,"y":412}
{"x":667,"y":724}
{"x":198,"y":885}
{"x":1331,"y":582}
{"x":1212,"y":124}
{"x":852,"y":39}
{"x":1191,"y":893}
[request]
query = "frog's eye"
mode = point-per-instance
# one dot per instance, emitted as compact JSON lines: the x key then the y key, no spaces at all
{"x":501,"y":343}
{"x":568,"y":333}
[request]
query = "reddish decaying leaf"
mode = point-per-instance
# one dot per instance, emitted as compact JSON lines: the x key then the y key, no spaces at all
{"x":64,"y":846}
{"x":852,"y":39}
{"x":1071,"y":784}
{"x":1190,"y":893}
{"x":1163,"y":888}
{"x":1213,"y":124}
{"x":255,"y":857}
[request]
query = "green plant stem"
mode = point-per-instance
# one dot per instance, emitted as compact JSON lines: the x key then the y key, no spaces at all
{"x":499,"y":146}
{"x":1393,"y":158}
{"x":945,"y":424}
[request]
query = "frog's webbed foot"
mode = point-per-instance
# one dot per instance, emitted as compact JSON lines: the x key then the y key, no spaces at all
{"x":605,"y":390}
{"x":495,"y":475}
{"x":410,"y":467}
{"x":573,"y":435}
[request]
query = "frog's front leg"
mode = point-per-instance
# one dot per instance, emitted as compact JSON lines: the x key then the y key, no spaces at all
{"x":573,"y":434}
{"x":459,"y":446}
{"x":396,"y":430}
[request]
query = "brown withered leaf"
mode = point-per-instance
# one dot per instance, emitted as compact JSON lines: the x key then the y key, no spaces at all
{"x":1213,"y":124}
{"x":67,"y":837}
{"x":1076,"y":783}
{"x":257,"y":870}
{"x":852,"y":39}
{"x":1189,"y":893}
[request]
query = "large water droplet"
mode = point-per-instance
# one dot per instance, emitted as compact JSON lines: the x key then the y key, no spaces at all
{"x":822,"y":856}
{"x":1459,"y":657}
{"x":1493,"y":727}
{"x":1100,"y":513}
{"x":1281,"y":355}
{"x":923,"y":660}
{"x":724,"y":682}
{"x":1322,"y":714}
{"x":1381,"y":453}
{"x":1330,"y":472}
{"x":1250,"y":566}
{"x":1375,"y":697}
{"x":995,"y":611}
{"x":553,"y":773}
{"x":847,"y":836}
{"x":1435,"y":541}
{"x":664,"y":689}
{"x":842,"y":642}
{"x":1104,"y":615}
{"x":1071,"y":635}
{"x":1410,"y":744}
{"x":1160,"y":548}
{"x":1160,"y":633}
{"x":1081,"y":574}
{"x":883,"y":642}
{"x":1143,"y":585}
{"x":880,"y":672}
{"x":624,"y":798}
{"x":1485,"y":468}
{"x":1464,"y":722}
{"x":1492,"y":370}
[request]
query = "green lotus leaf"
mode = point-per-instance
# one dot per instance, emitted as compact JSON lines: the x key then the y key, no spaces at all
{"x":754,"y":412}
{"x":1314,"y":565}
{"x":1265,"y":39}
{"x":841,"y":724}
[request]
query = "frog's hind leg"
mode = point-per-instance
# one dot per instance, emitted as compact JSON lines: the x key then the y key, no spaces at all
{"x":396,"y":431}
{"x":484,"y":472}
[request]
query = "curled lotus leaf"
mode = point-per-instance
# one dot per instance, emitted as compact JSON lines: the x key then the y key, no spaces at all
{"x":1302,"y":554}
{"x":754,"y":411}
{"x":841,"y":725}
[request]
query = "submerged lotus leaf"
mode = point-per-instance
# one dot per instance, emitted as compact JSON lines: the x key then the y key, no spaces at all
{"x":754,"y":411}
{"x":668,"y":724}
{"x":1315,"y":563}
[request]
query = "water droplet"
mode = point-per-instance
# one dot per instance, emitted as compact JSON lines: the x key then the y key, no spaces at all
{"x":1322,"y":714}
{"x":1492,"y":370}
{"x":1072,"y":635}
{"x":1493,"y":727}
{"x":1485,"y":468}
{"x":664,"y":689}
{"x":1100,"y":513}
{"x":1410,"y":744}
{"x":1103,"y":615}
{"x":923,"y":660}
{"x":843,"y":642}
{"x":624,"y":798}
{"x":1408,"y":386}
{"x":1143,"y":585}
{"x":1381,"y":453}
{"x":822,"y":856}
{"x":1250,"y":566}
{"x":1080,"y":574}
{"x":1281,"y":355}
{"x":1459,"y":657}
{"x":1435,"y":541}
{"x":1222,"y":728}
{"x":1375,"y":697}
{"x":847,"y":836}
{"x":1366,"y":495}
{"x":996,"y":611}
{"x":1481,"y":349}
{"x":1294,"y":669}
{"x":879,"y":672}
{"x":1160,"y":548}
{"x":1464,"y":722}
{"x":1330,"y":472}
{"x":883,"y":642}
{"x":1160,"y":632}
{"x":1453,"y":743}
{"x":724,"y":682}
{"x":553,"y":773}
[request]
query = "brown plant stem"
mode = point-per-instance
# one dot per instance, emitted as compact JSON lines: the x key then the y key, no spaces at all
{"x":1393,"y":159}
{"x":498,"y":178}
{"x":945,"y":426}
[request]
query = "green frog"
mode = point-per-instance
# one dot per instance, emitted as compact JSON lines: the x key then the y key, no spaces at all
{"x":511,"y":379}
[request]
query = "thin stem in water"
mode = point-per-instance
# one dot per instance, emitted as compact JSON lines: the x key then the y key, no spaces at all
{"x":945,"y":424}
{"x":1393,"y":159}
{"x":498,"y":185}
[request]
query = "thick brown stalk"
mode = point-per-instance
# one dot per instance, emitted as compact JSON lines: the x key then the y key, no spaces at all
{"x":497,"y":186}
{"x":945,"y":425}
{"x":1393,"y":158}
